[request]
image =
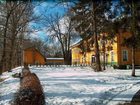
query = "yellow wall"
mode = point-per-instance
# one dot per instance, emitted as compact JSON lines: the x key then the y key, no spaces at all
{"x":79,"y":58}
{"x":87,"y":58}
{"x":137,"y":57}
{"x":121,"y":36}
{"x":114,"y":50}
{"x":117,"y":49}
{"x":76,"y":55}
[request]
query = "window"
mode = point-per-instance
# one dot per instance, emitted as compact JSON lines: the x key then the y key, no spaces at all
{"x":125,"y":55}
{"x":83,"y":59}
{"x":93,"y":59}
{"x":106,"y":58}
{"x":112,"y":56}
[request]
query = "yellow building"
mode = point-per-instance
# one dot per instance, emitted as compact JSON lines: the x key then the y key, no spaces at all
{"x":115,"y":52}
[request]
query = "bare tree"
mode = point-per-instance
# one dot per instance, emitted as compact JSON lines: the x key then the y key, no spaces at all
{"x":17,"y":22}
{"x":62,"y":28}
{"x":16,"y":16}
{"x":6,"y":17}
{"x":40,"y":45}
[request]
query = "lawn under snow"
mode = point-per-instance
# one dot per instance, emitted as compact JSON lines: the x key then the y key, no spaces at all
{"x":77,"y":86}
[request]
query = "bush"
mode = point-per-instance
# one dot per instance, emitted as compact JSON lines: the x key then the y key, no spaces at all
{"x":122,"y":67}
{"x":16,"y":75}
{"x":1,"y":79}
{"x":115,"y":66}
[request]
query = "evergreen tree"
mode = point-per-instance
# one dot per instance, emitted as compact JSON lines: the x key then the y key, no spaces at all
{"x":130,"y":18}
{"x":90,"y":16}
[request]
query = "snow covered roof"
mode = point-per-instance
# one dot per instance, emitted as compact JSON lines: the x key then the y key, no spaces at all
{"x":55,"y":58}
{"x":76,"y":44}
{"x":80,"y":41}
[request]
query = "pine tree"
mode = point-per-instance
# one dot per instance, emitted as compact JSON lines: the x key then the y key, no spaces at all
{"x":90,"y":16}
{"x":132,"y":19}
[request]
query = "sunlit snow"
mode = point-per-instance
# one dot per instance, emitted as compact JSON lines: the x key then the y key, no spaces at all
{"x":77,"y":85}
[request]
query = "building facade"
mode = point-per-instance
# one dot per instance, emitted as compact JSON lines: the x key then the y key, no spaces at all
{"x":112,"y":51}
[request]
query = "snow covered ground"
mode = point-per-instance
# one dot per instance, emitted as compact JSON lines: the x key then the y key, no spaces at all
{"x":77,"y":86}
{"x":8,"y":87}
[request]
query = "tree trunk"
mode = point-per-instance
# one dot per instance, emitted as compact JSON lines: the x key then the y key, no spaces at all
{"x":0,"y":69}
{"x":67,"y":59}
{"x":97,"y":52}
{"x":133,"y":61}
{"x":3,"y":59}
{"x":10,"y":62}
{"x":104,"y":61}
{"x":12,"y":48}
{"x":133,"y":8}
{"x":11,"y":55}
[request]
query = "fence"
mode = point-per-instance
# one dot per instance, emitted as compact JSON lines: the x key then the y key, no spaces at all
{"x":78,"y":65}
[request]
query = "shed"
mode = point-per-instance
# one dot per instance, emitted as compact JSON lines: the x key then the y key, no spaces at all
{"x":55,"y":61}
{"x":33,"y":56}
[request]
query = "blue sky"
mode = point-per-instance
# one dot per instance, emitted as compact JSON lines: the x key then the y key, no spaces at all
{"x":50,"y":8}
{"x":46,"y":8}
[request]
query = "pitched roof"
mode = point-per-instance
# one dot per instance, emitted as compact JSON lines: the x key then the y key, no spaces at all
{"x":35,"y":50}
{"x":81,"y":41}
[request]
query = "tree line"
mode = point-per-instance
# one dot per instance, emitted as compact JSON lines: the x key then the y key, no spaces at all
{"x":86,"y":19}
{"x":14,"y":19}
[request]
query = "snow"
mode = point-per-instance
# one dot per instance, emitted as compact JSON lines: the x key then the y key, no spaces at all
{"x":8,"y":87}
{"x":55,"y":58}
{"x":77,"y":85}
